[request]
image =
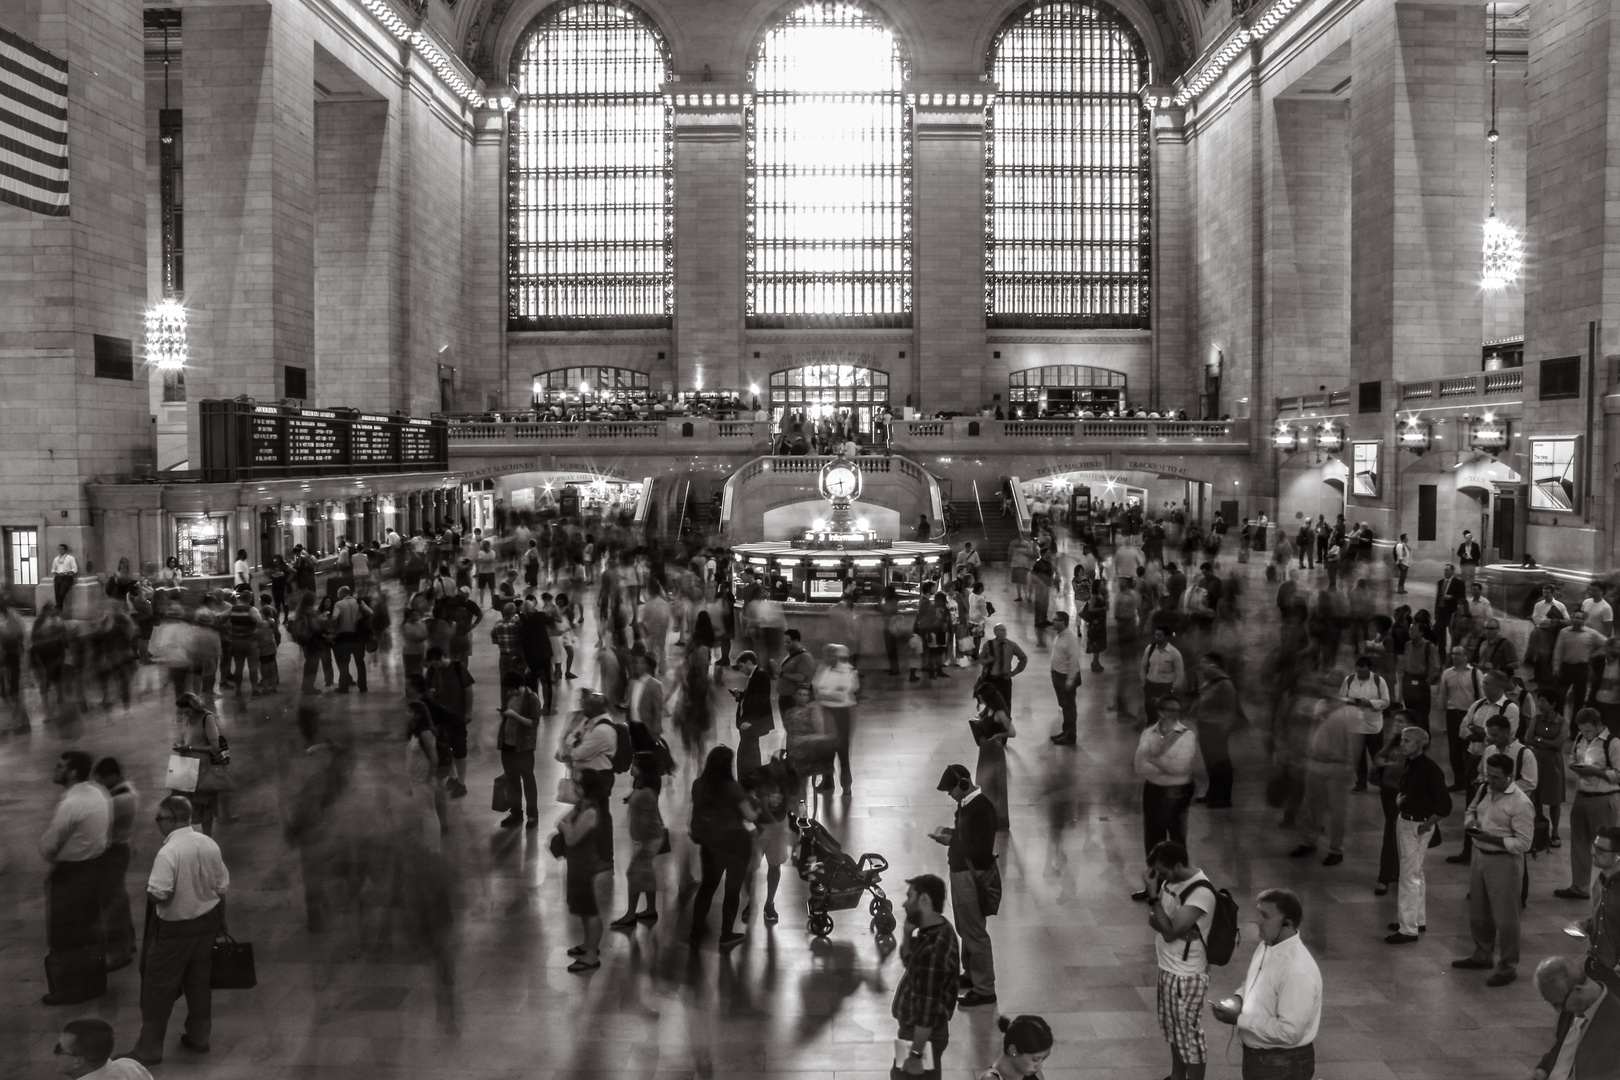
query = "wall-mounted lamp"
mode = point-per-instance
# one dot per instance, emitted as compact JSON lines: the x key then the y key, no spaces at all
{"x":1414,"y":436}
{"x":1329,"y":439}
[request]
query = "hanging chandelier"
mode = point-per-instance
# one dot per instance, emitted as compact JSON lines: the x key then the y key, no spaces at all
{"x":1503,"y":248}
{"x":166,"y":335}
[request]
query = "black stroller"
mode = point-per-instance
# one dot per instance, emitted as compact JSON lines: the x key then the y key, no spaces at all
{"x":837,"y":881}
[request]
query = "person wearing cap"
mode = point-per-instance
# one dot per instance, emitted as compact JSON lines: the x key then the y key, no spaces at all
{"x":971,"y":850}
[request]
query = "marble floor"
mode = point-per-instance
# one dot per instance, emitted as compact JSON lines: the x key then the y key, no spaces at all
{"x":359,"y":1004}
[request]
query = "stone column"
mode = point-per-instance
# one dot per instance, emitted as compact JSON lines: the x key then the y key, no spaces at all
{"x":250,"y":203}
{"x":947,"y":200}
{"x":1573,"y":260}
{"x":1417,"y":165}
{"x":709,"y":235}
{"x":1176,"y":377}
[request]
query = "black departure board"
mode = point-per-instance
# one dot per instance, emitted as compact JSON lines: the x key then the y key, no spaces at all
{"x":371,"y":440}
{"x":245,"y":441}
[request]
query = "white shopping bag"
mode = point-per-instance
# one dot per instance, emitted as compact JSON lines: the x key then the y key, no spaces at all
{"x":182,"y":773}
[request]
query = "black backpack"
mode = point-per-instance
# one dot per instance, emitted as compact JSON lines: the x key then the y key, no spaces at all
{"x":1224,"y":934}
{"x":623,"y":750}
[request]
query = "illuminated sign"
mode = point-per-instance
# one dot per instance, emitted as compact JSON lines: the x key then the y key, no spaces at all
{"x":242,"y":441}
{"x":1552,"y":475}
{"x":1364,"y":474}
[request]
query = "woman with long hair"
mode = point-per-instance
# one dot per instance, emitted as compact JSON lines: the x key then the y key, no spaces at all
{"x":696,"y":715}
{"x":719,"y":809}
{"x":647,"y":836}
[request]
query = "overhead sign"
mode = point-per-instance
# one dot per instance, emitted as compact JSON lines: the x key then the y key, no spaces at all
{"x":245,"y":441}
{"x":1094,"y":464}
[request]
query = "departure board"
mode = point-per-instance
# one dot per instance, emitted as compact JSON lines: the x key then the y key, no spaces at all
{"x":246,"y":441}
{"x":371,"y":440}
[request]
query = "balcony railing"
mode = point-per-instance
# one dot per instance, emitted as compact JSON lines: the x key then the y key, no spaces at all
{"x":1332,"y":399}
{"x":680,"y":433}
{"x":933,"y":434}
{"x":1479,"y":384}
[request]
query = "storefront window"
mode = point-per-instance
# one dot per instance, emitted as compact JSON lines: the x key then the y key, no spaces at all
{"x":201,"y":544}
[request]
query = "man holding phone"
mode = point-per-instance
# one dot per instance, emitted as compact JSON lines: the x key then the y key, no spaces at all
{"x":1501,"y":821}
{"x":1279,"y":1008}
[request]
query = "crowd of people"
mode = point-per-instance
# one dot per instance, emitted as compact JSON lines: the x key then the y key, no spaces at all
{"x":693,"y":662}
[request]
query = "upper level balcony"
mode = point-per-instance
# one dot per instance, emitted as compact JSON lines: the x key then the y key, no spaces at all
{"x":688,"y":435}
{"x":1501,"y":387}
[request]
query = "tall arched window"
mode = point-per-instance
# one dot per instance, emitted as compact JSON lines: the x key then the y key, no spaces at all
{"x":1067,"y":225}
{"x":590,"y":182}
{"x":829,"y":172}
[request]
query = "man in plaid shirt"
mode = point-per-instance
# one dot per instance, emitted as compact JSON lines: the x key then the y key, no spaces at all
{"x":926,"y":997}
{"x":505,"y":636}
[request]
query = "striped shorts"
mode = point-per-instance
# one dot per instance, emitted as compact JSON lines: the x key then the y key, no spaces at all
{"x":1181,"y":1006}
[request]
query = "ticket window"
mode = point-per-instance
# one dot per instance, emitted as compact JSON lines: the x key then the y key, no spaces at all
{"x":202,"y":546}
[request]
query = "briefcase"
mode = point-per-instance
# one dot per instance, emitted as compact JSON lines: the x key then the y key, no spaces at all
{"x":75,"y":975}
{"x":232,"y":965}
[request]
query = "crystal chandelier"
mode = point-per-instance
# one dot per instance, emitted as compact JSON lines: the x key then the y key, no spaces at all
{"x":1504,"y":247}
{"x":166,"y":335}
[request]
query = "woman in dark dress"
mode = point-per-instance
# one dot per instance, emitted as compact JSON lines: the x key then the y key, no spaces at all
{"x":587,"y":834}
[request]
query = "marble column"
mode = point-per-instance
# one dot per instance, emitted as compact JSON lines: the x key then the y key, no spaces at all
{"x":709,"y":237}
{"x":948,"y":309}
{"x":250,"y":201}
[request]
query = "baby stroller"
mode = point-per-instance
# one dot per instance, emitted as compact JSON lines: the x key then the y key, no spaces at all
{"x":837,"y":881}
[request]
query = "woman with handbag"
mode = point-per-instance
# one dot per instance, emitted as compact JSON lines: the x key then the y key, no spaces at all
{"x":811,"y":740}
{"x":587,"y":841}
{"x":198,"y":735}
{"x":991,"y":731}
{"x":769,"y":789}
{"x":648,"y":839}
{"x":1095,"y":616}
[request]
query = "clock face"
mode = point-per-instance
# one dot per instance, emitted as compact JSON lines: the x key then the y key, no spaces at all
{"x":841,"y":483}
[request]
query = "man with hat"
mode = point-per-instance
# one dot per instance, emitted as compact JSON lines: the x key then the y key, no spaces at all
{"x":971,"y":844}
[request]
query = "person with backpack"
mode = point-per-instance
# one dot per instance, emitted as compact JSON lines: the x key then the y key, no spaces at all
{"x":1595,"y":761}
{"x":1182,"y":913}
{"x":592,"y":742}
{"x":1278,"y":1010}
{"x":1476,"y":733}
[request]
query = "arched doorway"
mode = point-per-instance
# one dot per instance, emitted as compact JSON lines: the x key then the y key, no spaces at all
{"x":857,"y":396}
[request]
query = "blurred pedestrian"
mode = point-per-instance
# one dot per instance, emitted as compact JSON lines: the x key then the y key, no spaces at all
{"x":74,"y":845}
{"x":117,"y":924}
{"x":648,"y":839}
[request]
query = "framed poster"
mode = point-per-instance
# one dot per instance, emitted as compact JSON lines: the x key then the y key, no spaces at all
{"x":1364,"y":476}
{"x":1552,"y":475}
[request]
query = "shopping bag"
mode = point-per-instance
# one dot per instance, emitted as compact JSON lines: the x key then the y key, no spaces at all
{"x":182,"y":773}
{"x":500,"y":798}
{"x":568,"y":791}
{"x":232,"y":965}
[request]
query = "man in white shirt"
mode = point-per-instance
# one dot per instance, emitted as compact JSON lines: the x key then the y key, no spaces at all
{"x":1461,"y":685}
{"x":1403,"y":562}
{"x":1577,"y":644}
{"x":74,"y":845}
{"x":187,"y":888}
{"x":1164,"y":763}
{"x":1067,"y":657}
{"x":1369,"y":693}
{"x":1182,"y":910}
{"x":82,"y":1051}
{"x":1279,"y":1009}
{"x":1501,"y":822}
{"x":1599,"y":615}
{"x":1162,"y":671}
{"x":64,"y":572}
{"x":1588,"y":1041}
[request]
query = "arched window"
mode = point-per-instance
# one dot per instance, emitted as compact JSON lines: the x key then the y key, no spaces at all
{"x":1067,"y":225}
{"x":590,"y":182}
{"x":560,"y":386}
{"x":1066,"y":388}
{"x":829,"y":172}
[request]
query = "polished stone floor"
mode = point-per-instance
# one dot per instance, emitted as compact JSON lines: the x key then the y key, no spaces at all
{"x":1070,"y":944}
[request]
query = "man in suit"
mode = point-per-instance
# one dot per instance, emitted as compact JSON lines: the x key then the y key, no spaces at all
{"x":1468,"y":555}
{"x":971,"y":851}
{"x":754,"y":717}
{"x":1448,"y":595}
{"x":1587,"y":1046}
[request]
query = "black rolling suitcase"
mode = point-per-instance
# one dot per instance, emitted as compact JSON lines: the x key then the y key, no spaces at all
{"x":75,"y":975}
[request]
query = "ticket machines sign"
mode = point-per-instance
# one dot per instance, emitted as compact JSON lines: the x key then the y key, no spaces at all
{"x":244,"y":441}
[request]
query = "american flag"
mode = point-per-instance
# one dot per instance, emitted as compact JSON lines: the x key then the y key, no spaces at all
{"x":33,"y":127}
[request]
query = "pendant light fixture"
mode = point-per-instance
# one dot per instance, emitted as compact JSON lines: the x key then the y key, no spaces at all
{"x":1504,"y":247}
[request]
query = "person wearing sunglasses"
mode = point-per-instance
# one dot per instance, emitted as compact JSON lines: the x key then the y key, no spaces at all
{"x":84,"y":1048}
